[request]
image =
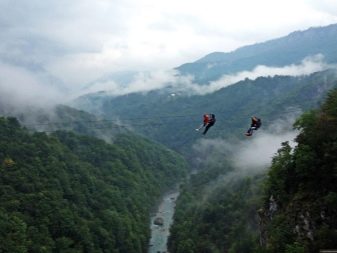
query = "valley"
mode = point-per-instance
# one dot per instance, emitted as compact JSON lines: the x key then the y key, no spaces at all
{"x":100,"y":173}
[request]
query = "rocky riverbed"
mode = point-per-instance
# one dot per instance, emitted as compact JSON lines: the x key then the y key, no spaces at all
{"x":161,"y":222}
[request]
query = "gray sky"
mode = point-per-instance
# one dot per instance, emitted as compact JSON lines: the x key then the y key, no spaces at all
{"x":75,"y":42}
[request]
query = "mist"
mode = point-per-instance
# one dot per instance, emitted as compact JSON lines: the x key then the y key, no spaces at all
{"x":250,"y":155}
{"x":20,"y":88}
{"x":308,"y":66}
{"x":256,"y":154}
{"x":243,"y":157}
{"x":142,"y":82}
{"x":185,"y":85}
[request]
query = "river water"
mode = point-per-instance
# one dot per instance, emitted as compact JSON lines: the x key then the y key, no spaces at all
{"x":160,"y":234}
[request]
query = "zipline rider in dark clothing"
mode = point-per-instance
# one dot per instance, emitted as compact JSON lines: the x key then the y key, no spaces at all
{"x":210,"y":123}
{"x":256,"y":123}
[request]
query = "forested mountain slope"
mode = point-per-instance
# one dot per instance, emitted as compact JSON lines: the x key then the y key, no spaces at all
{"x":62,"y":117}
{"x":291,"y":49}
{"x":72,"y":193}
{"x":217,"y":212}
{"x":172,"y":119}
{"x":302,"y":184}
{"x":298,"y":198}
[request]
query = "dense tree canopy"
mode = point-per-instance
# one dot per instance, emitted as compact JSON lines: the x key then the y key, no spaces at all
{"x":303,"y":183}
{"x":71,"y":193}
{"x":292,"y":209}
{"x":216,"y":213}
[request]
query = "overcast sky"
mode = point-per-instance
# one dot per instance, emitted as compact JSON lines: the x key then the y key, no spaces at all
{"x":75,"y":42}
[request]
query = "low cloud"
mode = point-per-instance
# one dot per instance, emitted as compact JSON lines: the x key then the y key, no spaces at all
{"x":308,"y":66}
{"x":256,"y":153}
{"x":250,"y":155}
{"x":144,"y":82}
{"x":80,"y":41}
{"x":20,"y":88}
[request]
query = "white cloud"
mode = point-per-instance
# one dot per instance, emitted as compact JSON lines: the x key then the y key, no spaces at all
{"x":80,"y":40}
{"x":308,"y":66}
{"x":325,"y":6}
{"x":19,"y":85}
{"x":142,"y":82}
{"x":20,"y":88}
{"x":251,"y":154}
{"x":147,"y":81}
{"x":256,"y":153}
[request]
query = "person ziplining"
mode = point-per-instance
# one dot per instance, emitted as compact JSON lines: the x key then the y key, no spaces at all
{"x":255,"y":125}
{"x":205,"y":121}
{"x":208,"y":122}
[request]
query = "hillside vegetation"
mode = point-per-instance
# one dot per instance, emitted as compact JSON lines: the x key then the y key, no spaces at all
{"x":287,"y":50}
{"x":302,"y":182}
{"x":72,"y":193}
{"x":292,"y":209}
{"x":93,"y":189}
{"x":172,"y":120}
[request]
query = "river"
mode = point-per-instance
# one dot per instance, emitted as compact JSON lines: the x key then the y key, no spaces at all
{"x":160,"y":233}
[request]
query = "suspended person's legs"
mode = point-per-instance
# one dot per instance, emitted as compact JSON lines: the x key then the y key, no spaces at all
{"x":207,"y":127}
{"x":250,"y":131}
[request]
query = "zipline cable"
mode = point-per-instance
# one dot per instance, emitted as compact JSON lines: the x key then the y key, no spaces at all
{"x":129,"y":126}
{"x":110,"y":120}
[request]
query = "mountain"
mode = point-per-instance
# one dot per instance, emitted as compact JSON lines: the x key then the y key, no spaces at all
{"x":217,"y":210}
{"x":171,"y":120}
{"x":62,"y":117}
{"x":72,"y":192}
{"x":300,"y":193}
{"x":170,"y":116}
{"x":291,"y":49}
{"x":290,"y":208}
{"x":217,"y":219}
{"x":65,"y":192}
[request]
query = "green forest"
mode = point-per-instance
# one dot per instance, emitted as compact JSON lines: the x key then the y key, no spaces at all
{"x":291,"y":208}
{"x":171,"y":120}
{"x":65,"y":192}
{"x":95,"y":173}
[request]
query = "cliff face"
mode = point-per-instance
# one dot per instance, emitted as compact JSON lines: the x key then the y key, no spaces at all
{"x":300,"y":204}
{"x":309,"y":224}
{"x":265,"y":215}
